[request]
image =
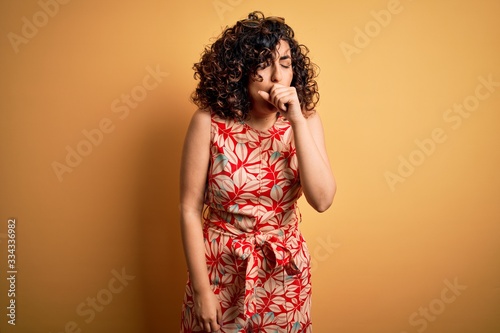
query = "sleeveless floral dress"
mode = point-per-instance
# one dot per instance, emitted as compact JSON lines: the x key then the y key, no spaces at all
{"x":257,"y":259}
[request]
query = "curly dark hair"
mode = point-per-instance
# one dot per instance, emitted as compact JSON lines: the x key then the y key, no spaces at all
{"x":227,"y":65}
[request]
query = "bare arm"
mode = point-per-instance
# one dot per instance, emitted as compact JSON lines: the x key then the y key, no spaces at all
{"x":195,"y":159}
{"x":316,"y":175}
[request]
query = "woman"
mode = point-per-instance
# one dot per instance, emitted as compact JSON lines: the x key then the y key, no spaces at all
{"x":252,"y":148}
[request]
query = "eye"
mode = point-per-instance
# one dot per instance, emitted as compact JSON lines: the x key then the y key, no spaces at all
{"x":286,"y":65}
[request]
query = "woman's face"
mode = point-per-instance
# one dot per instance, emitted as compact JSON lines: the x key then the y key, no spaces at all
{"x":278,"y":71}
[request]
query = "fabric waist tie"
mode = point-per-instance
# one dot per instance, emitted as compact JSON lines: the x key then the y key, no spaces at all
{"x":275,"y":253}
{"x":244,"y":245}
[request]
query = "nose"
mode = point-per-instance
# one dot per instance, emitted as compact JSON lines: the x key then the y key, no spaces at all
{"x":276,"y":74}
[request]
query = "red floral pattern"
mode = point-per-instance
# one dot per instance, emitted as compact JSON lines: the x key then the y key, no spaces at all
{"x":257,"y":259}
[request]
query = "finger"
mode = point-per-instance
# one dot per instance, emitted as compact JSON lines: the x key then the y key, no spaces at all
{"x":281,"y":99}
{"x":204,"y":325}
{"x":269,"y":98}
{"x":276,"y":87}
{"x":265,"y":95}
{"x":215,"y":327}
{"x":274,"y":93}
{"x":198,"y":322}
{"x":219,"y":316}
{"x":281,"y":104}
{"x":211,"y":326}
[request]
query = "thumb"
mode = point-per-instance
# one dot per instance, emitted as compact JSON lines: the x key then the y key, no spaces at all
{"x":264,"y":95}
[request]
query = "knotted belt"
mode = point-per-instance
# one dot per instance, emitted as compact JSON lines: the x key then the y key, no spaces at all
{"x":275,"y":253}
{"x":245,"y":245}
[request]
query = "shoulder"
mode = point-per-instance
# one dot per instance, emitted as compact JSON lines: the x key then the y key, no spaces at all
{"x":314,"y":121}
{"x":201,"y":117}
{"x":199,"y":127}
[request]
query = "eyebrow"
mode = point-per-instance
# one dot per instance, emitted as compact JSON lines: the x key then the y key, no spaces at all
{"x":285,"y":56}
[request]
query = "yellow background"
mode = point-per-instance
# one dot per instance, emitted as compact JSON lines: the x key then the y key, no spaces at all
{"x":382,"y":254}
